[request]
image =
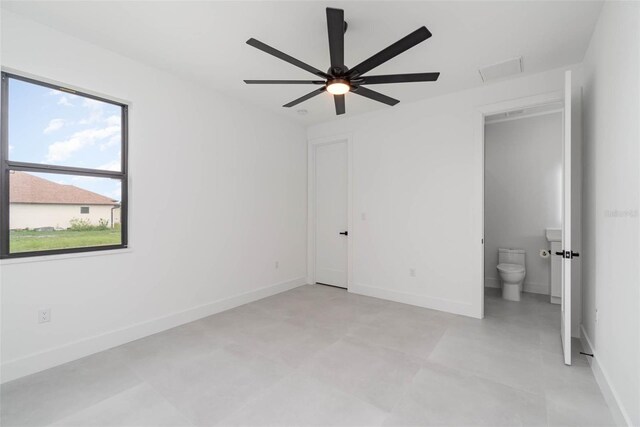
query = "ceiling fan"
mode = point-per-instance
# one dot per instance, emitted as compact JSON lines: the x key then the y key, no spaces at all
{"x":339,"y":79}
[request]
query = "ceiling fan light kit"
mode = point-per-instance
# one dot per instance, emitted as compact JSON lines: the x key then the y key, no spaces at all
{"x":339,"y":79}
{"x":338,"y":86}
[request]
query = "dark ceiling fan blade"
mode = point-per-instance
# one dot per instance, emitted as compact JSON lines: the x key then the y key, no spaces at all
{"x":406,"y":43}
{"x":335,"y":28}
{"x":339,"y":101}
{"x":285,"y":82}
{"x":376,"y":96}
{"x":398,"y":78}
{"x":304,"y":98}
{"x":290,"y":59}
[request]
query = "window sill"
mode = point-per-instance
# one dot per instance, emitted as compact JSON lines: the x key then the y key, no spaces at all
{"x":44,"y":258}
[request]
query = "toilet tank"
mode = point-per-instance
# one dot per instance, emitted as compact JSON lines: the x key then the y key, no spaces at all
{"x":511,"y":256}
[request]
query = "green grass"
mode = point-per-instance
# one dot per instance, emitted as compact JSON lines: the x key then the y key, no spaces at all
{"x":28,"y":241}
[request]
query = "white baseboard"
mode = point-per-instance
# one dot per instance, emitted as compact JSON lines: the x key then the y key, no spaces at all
{"x":620,"y":415}
{"x":534,"y":288}
{"x":441,"y":304}
{"x":36,"y":362}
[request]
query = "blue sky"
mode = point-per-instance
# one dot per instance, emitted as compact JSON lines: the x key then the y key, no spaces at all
{"x":59,"y":128}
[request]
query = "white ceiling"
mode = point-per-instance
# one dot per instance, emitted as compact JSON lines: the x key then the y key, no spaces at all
{"x":205,"y":41}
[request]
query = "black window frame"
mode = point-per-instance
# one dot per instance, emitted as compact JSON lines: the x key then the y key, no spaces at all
{"x":85,"y":210}
{"x":7,"y":165}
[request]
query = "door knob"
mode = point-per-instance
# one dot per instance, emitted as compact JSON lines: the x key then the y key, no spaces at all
{"x":345,"y":233}
{"x":568,"y":254}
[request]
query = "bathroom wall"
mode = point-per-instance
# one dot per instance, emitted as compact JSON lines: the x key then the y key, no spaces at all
{"x":523,"y":178}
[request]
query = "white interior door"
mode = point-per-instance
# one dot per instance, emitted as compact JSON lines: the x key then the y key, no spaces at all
{"x":331,"y":213}
{"x":565,"y":328}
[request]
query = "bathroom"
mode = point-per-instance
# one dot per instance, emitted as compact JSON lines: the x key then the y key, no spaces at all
{"x":523,"y":207}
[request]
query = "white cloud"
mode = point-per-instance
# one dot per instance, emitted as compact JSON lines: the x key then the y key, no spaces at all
{"x":115,"y":194}
{"x":113,"y":120}
{"x":92,"y":103}
{"x":94,"y":117}
{"x":11,"y":147}
{"x":64,"y":100}
{"x":61,"y":150}
{"x":96,"y":112}
{"x":54,"y":125}
{"x":114,"y":141}
{"x":82,"y":178}
{"x":113,"y":165}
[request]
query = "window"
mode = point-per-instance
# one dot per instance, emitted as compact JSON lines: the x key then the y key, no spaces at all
{"x":63,"y":170}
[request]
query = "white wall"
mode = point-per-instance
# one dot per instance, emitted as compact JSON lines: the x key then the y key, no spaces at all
{"x":611,"y":257}
{"x":228,"y":180}
{"x":523,"y":193}
{"x":417,"y":177}
{"x":34,"y":215}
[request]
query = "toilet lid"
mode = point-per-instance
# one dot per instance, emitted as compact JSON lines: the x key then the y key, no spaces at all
{"x":511,"y":268}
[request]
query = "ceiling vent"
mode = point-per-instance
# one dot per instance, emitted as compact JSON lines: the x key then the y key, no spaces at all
{"x":501,"y":69}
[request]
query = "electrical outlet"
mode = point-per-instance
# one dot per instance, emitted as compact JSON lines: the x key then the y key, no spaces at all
{"x":412,"y":272}
{"x":44,"y":315}
{"x":596,"y":315}
{"x":277,"y":264}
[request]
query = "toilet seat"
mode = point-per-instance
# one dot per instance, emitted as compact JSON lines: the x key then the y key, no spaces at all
{"x":511,"y":268}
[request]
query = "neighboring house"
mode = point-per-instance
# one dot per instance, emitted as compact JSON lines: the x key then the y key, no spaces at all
{"x":37,"y":202}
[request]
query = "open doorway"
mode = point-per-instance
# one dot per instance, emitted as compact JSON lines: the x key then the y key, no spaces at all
{"x":523,"y":202}
{"x":527,"y":215}
{"x":523,"y":193}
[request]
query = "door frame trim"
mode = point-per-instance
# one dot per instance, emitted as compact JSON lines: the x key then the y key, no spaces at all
{"x":312,"y":145}
{"x":481,"y":112}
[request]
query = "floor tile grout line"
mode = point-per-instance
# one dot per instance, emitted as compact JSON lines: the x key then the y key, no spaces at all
{"x":60,"y":418}
{"x":255,"y":397}
{"x":538,"y":320}
{"x":142,"y":383}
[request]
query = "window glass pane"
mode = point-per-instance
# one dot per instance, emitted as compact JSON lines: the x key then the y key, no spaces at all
{"x":54,"y":127}
{"x":46,"y":211}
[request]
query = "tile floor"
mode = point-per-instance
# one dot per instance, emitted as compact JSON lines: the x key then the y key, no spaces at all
{"x":317,"y":355}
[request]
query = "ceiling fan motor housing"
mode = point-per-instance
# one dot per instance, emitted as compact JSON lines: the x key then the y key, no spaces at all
{"x":339,"y":71}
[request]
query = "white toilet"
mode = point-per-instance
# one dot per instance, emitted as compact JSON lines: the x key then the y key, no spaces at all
{"x":512,"y":271}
